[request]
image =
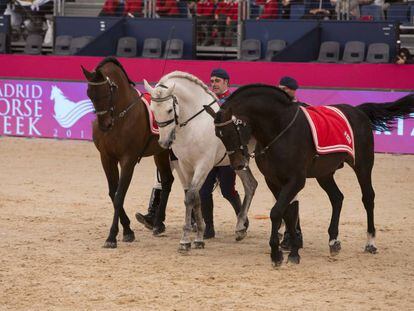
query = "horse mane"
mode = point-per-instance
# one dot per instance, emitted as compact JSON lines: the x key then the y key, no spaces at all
{"x":113,"y":60}
{"x":284,"y":97}
{"x":188,"y":76}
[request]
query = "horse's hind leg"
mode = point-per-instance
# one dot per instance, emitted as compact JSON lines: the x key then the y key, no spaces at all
{"x":363,"y":173}
{"x":162,"y":162}
{"x":336,"y":197}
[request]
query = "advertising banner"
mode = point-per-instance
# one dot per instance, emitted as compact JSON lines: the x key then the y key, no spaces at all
{"x":62,"y":110}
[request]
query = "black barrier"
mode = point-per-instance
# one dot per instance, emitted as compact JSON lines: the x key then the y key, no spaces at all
{"x":108,"y":30}
{"x":302,"y":41}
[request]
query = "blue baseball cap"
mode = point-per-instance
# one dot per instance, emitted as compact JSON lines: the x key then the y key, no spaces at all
{"x":221,"y":73}
{"x":289,"y":82}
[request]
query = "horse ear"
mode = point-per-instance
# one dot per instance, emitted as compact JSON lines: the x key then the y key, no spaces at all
{"x":88,"y":75}
{"x":210,"y":111}
{"x":148,"y":87}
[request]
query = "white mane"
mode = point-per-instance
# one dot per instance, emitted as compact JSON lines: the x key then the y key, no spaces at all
{"x":188,"y":76}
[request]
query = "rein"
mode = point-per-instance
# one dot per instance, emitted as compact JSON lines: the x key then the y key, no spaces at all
{"x":263,"y":151}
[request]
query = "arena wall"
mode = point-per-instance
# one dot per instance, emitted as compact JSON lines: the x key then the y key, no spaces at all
{"x":45,"y":96}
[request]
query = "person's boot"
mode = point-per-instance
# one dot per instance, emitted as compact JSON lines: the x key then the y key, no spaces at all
{"x":207,"y":211}
{"x":148,"y":219}
{"x":235,"y":201}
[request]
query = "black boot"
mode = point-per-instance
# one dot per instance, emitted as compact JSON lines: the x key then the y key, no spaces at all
{"x":286,"y":243}
{"x":148,"y":219}
{"x":235,"y":201}
{"x":207,"y":211}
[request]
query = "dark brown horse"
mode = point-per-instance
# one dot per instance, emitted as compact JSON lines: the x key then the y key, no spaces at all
{"x":286,"y":155}
{"x":122,"y":135}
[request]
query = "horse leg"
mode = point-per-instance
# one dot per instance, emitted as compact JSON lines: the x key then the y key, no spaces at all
{"x":363,"y":173}
{"x":291,"y":220}
{"x":162,"y":162}
{"x":286,"y":195}
{"x":336,"y":197}
{"x":249,"y":185}
{"x":127,"y":169}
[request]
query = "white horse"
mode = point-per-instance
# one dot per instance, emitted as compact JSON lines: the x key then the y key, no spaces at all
{"x":178,"y":104}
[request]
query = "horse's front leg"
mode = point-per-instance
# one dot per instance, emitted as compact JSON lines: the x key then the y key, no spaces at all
{"x":127,"y":169}
{"x":287,"y":193}
{"x":249,"y":185}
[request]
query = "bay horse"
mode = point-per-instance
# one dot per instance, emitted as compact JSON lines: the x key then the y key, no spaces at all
{"x":122,"y":135}
{"x":285,"y":153}
{"x":177,"y":102}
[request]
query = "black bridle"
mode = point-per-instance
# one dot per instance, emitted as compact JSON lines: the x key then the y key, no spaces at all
{"x":243,"y":134}
{"x":175,"y":103}
{"x":112,"y":88}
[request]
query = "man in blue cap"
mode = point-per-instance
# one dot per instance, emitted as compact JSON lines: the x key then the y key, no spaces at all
{"x":225,"y":175}
{"x":290,"y":85}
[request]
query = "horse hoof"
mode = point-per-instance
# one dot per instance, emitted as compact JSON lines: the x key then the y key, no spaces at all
{"x":145,"y":220}
{"x":184,"y":247}
{"x":277,"y":259}
{"x":335,"y":248}
{"x":199,"y":244}
{"x":130,"y":237}
{"x":158,"y":230}
{"x":109,"y":244}
{"x":240,"y":235}
{"x":370,"y":249}
{"x":295,"y":259}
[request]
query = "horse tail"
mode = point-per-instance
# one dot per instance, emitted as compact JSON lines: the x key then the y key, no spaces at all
{"x":383,"y":115}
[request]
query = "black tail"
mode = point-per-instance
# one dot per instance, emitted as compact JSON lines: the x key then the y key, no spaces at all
{"x":382,"y":116}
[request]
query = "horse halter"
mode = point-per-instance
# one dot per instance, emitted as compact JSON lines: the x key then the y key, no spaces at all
{"x":243,"y":131}
{"x":175,"y":103}
{"x":112,"y":87}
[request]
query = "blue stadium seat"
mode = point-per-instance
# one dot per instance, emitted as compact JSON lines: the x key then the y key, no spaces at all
{"x":182,"y":8}
{"x":372,"y":10}
{"x":412,"y":14}
{"x":254,"y":10}
{"x":398,"y":13}
{"x":297,"y":11}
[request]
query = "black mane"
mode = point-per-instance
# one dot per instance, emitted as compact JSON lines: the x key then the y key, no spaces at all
{"x":284,"y":96}
{"x":113,"y":60}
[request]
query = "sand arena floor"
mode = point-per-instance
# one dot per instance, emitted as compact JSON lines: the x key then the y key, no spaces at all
{"x":55,"y":217}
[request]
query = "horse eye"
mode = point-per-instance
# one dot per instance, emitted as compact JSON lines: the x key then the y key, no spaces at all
{"x":169,"y":110}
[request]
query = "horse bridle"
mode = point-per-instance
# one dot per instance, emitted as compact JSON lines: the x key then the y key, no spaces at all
{"x":175,"y":103}
{"x":242,"y":126}
{"x":112,"y":88}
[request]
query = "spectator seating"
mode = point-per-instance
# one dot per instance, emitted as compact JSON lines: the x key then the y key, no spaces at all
{"x":33,"y":44}
{"x":274,"y":47}
{"x":297,"y":11}
{"x":174,"y":49}
{"x":398,"y":13}
{"x":250,"y":49}
{"x":3,"y":42}
{"x":152,"y":48}
{"x":79,"y":43}
{"x":378,"y":53}
{"x":62,"y":45}
{"x":127,"y":47}
{"x":182,"y":8}
{"x":411,"y":14}
{"x":329,"y":52}
{"x":354,"y":52}
{"x":372,"y":10}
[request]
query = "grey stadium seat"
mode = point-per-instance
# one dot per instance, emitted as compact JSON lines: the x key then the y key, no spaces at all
{"x":174,"y":49}
{"x":62,"y":45}
{"x":378,"y":53}
{"x":127,"y":47}
{"x":152,"y":48}
{"x":354,"y":52}
{"x":329,"y":52}
{"x":250,"y":50}
{"x":274,"y":47}
{"x":33,"y":44}
{"x":3,"y":42}
{"x":79,"y":43}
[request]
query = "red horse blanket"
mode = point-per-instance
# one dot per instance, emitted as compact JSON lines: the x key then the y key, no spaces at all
{"x":146,"y":98}
{"x":330,"y":130}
